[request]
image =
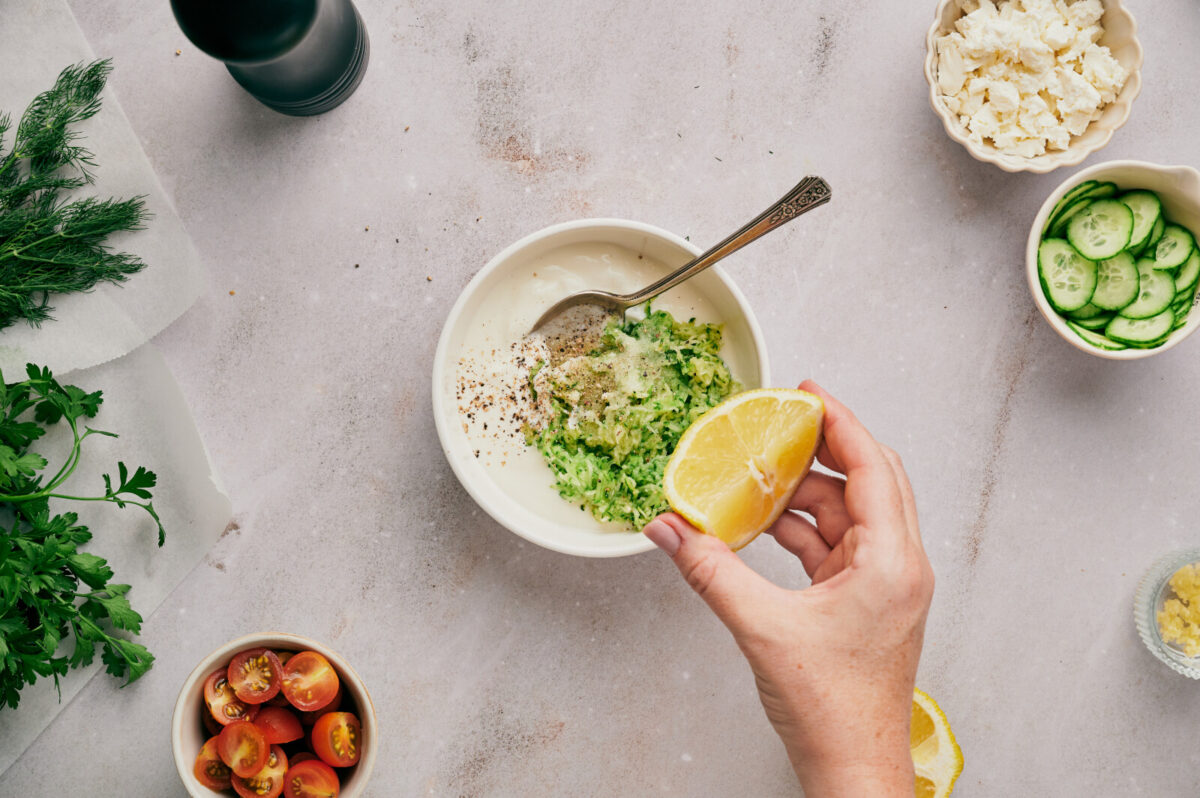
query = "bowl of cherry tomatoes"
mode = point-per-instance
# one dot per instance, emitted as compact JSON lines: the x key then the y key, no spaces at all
{"x":271,"y":715}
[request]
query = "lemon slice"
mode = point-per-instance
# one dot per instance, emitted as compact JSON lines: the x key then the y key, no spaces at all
{"x":936,"y":756}
{"x":738,"y":464}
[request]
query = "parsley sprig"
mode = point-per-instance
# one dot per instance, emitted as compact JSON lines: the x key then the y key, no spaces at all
{"x":49,"y":590}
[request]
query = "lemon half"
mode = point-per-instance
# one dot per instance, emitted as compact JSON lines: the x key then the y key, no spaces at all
{"x":736,"y":466}
{"x":936,"y":756}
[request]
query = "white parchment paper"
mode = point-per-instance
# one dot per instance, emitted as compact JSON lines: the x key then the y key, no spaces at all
{"x":37,"y":39}
{"x":99,"y":341}
{"x":142,"y":404}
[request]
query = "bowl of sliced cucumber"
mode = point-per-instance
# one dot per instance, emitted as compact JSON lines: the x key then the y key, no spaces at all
{"x":1113,"y":258}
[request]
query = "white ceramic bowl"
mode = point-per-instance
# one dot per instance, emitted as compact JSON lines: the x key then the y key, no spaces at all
{"x":1179,"y":189}
{"x":187,"y":728}
{"x":1120,"y":36}
{"x":533,"y":518}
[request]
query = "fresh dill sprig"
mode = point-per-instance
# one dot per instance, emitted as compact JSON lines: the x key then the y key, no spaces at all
{"x":49,"y":245}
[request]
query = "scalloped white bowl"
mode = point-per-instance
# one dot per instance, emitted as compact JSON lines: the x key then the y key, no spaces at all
{"x":1120,"y":36}
{"x":1179,"y":189}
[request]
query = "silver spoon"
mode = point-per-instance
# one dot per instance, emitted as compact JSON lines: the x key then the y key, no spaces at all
{"x":808,"y":194}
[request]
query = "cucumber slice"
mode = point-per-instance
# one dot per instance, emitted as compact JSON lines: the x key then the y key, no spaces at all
{"x":1101,"y":230}
{"x":1070,"y":198}
{"x":1068,"y":279}
{"x":1076,"y":192}
{"x":1095,"y":322}
{"x":1189,"y":274}
{"x":1147,"y":210}
{"x":1074,"y":201}
{"x":1155,"y":235}
{"x":1103,"y":191}
{"x":1174,"y":248}
{"x":1184,"y":301}
{"x":1096,"y":339}
{"x":1088,"y":311}
{"x":1156,"y":291}
{"x":1116,"y":282}
{"x":1059,"y":228}
{"x":1152,"y":344}
{"x":1141,"y":332}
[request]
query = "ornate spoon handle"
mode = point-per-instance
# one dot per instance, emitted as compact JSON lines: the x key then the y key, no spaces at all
{"x":809,"y":193}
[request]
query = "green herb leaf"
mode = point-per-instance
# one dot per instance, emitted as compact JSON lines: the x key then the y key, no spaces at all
{"x":138,"y":484}
{"x":93,"y":570}
{"x":26,"y":464}
{"x":47,"y":243}
{"x":122,"y":656}
{"x":118,"y":609}
{"x":41,"y":568}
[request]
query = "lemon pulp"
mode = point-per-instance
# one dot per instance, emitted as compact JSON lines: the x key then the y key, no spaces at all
{"x":937,"y":759}
{"x":736,"y":466}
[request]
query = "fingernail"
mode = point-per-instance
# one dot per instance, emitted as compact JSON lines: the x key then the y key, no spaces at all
{"x":663,"y":536}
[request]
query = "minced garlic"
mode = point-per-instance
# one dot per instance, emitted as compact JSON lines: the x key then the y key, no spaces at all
{"x":1179,"y":618}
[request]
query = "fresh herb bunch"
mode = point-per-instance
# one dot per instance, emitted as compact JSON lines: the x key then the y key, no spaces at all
{"x":41,"y":567}
{"x":48,"y":244}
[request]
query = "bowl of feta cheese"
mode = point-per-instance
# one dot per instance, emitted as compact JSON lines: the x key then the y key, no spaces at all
{"x":1032,"y":85}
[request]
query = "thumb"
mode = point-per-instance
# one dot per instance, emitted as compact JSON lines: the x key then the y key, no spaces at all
{"x":732,"y":590}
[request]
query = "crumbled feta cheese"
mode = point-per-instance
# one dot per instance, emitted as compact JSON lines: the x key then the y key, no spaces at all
{"x":1003,"y":97}
{"x":1057,"y":35}
{"x":986,"y":122}
{"x":1077,"y":122}
{"x":1027,"y":74}
{"x":1103,"y":71}
{"x":1074,"y":93}
{"x":1084,"y":13}
{"x":976,"y":96}
{"x":1035,"y":54}
{"x":952,"y":71}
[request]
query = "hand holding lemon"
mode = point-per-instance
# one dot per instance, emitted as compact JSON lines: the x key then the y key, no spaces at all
{"x":835,"y":663}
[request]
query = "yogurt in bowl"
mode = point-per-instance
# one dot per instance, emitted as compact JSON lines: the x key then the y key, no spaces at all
{"x":482,"y":360}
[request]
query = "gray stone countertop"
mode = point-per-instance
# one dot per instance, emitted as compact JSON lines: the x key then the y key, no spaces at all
{"x":1047,"y":480}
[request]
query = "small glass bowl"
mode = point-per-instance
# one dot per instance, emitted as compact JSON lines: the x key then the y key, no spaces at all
{"x":1151,"y":593}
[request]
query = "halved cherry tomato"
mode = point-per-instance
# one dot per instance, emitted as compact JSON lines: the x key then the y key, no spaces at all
{"x":303,"y":756}
{"x":310,"y":779}
{"x":255,"y":675}
{"x":309,"y":718}
{"x":309,"y":681}
{"x":284,"y":656}
{"x":337,"y":738}
{"x":209,"y":769}
{"x":280,"y":700}
{"x":278,"y":725}
{"x":243,"y":747}
{"x":266,"y":783}
{"x":210,"y":724}
{"x":221,"y":701}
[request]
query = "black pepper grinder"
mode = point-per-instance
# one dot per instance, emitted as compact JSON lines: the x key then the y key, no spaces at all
{"x":299,"y":57}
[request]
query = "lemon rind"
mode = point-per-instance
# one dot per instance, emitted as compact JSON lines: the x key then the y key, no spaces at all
{"x":953,"y":755}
